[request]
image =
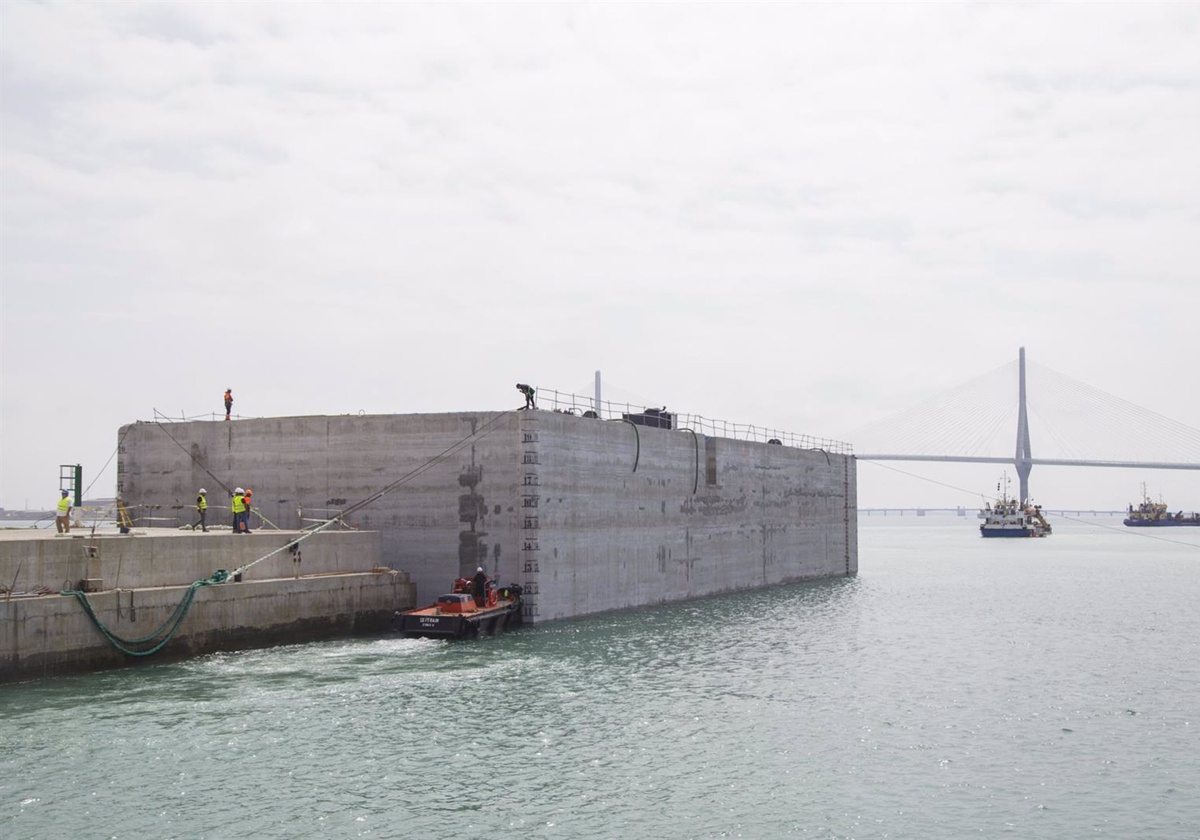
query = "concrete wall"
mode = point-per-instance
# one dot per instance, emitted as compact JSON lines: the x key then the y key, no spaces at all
{"x":548,"y":500}
{"x":53,"y":635}
{"x":173,"y":559}
{"x":621,"y":516}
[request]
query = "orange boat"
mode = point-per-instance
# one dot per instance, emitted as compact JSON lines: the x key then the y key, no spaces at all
{"x":457,"y":616}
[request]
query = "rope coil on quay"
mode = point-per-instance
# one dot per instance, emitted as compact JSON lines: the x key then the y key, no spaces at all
{"x":166,"y":630}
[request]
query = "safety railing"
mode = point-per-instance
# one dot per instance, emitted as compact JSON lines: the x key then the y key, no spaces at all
{"x":551,"y":400}
{"x":161,"y":417}
{"x":561,"y":401}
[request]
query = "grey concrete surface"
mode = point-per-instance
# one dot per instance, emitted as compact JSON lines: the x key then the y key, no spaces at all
{"x":163,"y":557}
{"x":617,"y":516}
{"x":50,"y":635}
{"x":589,"y":515}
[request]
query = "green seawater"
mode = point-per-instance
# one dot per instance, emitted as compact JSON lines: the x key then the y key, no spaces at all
{"x":957,"y":687}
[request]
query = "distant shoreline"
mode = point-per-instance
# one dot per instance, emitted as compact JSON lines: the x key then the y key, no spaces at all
{"x":88,"y":504}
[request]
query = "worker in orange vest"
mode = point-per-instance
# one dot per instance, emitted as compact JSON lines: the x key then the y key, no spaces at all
{"x":246,"y":512}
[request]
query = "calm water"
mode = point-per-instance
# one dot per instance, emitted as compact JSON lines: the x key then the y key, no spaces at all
{"x":958,"y":687}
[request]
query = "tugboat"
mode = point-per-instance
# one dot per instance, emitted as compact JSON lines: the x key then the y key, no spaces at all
{"x":1010,"y":518}
{"x":1155,"y":514}
{"x":456,"y":615}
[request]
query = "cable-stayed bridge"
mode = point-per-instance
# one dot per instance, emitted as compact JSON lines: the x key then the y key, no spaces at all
{"x":1075,"y":425}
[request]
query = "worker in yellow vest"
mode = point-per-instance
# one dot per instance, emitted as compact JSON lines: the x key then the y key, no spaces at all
{"x":239,"y":509}
{"x":202,"y":509}
{"x":62,"y":521}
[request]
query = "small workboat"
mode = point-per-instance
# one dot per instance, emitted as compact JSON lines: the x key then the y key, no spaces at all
{"x":456,"y":615}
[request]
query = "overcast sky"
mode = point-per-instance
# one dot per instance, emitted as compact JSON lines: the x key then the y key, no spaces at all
{"x":806,"y":216}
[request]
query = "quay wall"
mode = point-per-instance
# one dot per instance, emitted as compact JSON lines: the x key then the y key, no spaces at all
{"x":51,"y":635}
{"x":589,"y":515}
{"x":135,"y":581}
{"x":154,"y":558}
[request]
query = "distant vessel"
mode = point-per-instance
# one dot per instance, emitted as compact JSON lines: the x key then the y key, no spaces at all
{"x":1155,"y":515}
{"x":1010,"y":518}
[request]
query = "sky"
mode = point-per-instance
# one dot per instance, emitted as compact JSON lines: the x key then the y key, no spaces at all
{"x":806,"y":216}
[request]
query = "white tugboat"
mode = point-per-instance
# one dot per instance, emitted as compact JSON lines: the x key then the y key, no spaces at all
{"x":1010,"y":518}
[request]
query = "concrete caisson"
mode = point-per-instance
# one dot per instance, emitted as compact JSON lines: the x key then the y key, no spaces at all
{"x":618,"y":516}
{"x":589,"y":515}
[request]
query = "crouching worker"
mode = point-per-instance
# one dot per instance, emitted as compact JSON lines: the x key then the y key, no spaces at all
{"x":528,"y":392}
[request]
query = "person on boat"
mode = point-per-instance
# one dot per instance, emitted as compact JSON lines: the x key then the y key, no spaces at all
{"x":62,"y":521}
{"x":528,"y":392}
{"x":228,"y":402}
{"x":479,"y":587}
{"x":202,"y":509}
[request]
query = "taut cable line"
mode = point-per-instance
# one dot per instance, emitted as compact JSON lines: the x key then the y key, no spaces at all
{"x":446,"y":453}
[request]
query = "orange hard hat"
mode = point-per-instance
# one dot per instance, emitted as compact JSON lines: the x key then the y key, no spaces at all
{"x":249,"y":492}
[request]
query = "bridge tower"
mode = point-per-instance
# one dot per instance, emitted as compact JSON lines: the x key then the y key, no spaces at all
{"x":1024,"y":459}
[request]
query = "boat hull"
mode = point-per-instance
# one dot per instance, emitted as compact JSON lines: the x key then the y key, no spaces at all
{"x":984,"y":531}
{"x":1161,"y":523}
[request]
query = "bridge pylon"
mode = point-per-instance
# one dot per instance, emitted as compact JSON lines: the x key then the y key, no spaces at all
{"x":1024,"y":458}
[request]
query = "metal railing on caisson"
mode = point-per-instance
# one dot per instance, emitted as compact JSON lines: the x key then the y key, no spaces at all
{"x":551,"y":400}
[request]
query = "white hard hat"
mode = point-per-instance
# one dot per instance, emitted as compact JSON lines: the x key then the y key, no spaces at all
{"x":238,"y":490}
{"x":480,"y":569}
{"x":202,"y":491}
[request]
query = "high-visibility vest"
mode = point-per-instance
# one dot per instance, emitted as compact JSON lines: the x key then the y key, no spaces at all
{"x":64,"y":505}
{"x":239,"y":503}
{"x":201,"y":503}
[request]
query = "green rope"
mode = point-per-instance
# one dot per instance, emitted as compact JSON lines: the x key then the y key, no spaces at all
{"x":168,"y":628}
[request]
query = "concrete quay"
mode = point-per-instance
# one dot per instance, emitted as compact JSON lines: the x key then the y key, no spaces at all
{"x":336,"y":588}
{"x":32,"y":559}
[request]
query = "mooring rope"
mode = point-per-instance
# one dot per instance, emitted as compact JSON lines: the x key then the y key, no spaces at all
{"x":166,"y":630}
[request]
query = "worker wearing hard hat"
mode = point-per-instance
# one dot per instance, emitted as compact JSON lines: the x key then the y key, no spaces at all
{"x":62,"y":520}
{"x":528,"y":392}
{"x":479,"y":587}
{"x":246,"y":512}
{"x":202,"y":509}
{"x":238,"y":506}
